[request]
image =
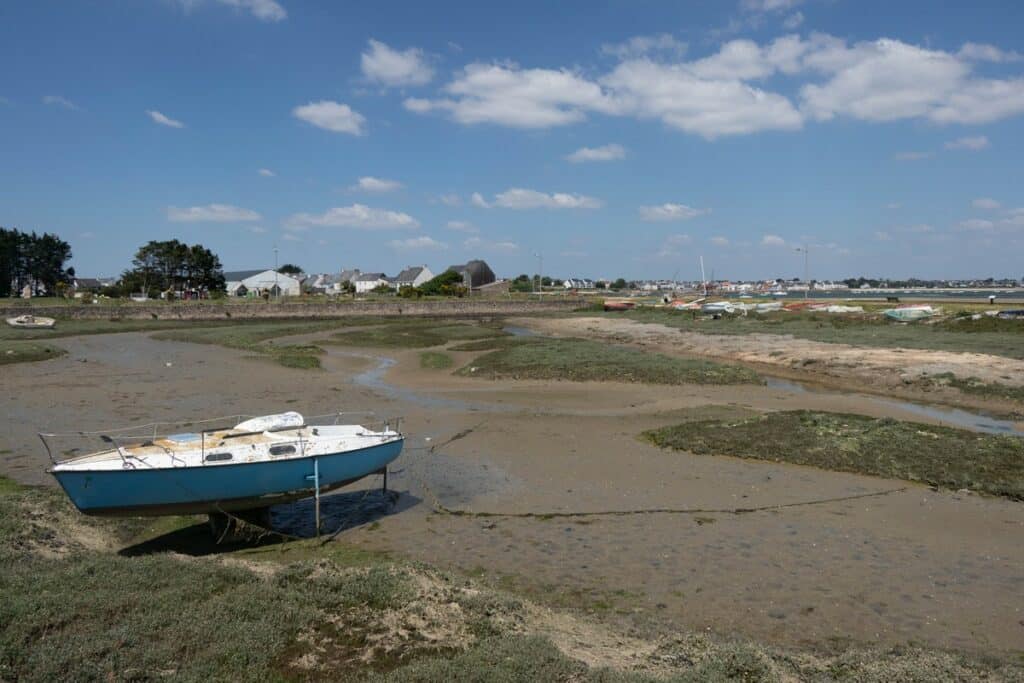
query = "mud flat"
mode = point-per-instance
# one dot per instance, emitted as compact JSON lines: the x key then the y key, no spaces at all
{"x":911,"y":372}
{"x":550,"y":492}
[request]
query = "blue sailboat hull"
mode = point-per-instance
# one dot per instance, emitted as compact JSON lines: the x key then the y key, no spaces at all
{"x":214,"y":488}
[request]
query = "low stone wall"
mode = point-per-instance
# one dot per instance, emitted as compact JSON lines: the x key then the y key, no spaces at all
{"x":259,"y":310}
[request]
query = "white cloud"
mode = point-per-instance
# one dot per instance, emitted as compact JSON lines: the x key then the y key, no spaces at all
{"x":708,"y":107}
{"x":519,"y":198}
{"x":357,"y":216}
{"x":479,"y":244}
{"x":970,"y":143}
{"x":519,"y":98}
{"x":332,"y":116}
{"x":421,"y":242}
{"x":911,"y":156}
{"x":976,"y":224}
{"x":768,"y":5}
{"x":986,"y":203}
{"x":164,"y":120}
{"x":719,"y":241}
{"x":714,"y":96}
{"x":266,"y":173}
{"x":450,"y":199}
{"x":462,"y":226}
{"x":478,"y":200}
{"x":642,"y":45}
{"x":604,"y":153}
{"x":58,"y":101}
{"x":671,"y":246}
{"x":670,"y":212}
{"x":264,"y":10}
{"x":376,"y":185}
{"x":211,"y":213}
{"x":882,"y":236}
{"x":793,"y":21}
{"x":980,"y":52}
{"x":772,"y":241}
{"x":384,"y":65}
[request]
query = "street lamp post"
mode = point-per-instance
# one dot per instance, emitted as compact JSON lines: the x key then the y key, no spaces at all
{"x":540,"y":274}
{"x":277,"y":288}
{"x":807,"y":281}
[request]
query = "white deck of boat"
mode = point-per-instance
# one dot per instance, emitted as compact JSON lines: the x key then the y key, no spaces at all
{"x":214,"y":448}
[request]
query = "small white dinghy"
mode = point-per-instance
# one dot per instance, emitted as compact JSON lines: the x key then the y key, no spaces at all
{"x":31,"y":322}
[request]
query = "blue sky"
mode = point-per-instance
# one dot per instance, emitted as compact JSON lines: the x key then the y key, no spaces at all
{"x":627,"y":138}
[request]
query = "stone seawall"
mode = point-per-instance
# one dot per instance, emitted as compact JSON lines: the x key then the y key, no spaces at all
{"x":246,"y":311}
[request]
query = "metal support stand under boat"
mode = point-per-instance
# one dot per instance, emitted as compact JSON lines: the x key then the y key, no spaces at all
{"x":316,"y":485}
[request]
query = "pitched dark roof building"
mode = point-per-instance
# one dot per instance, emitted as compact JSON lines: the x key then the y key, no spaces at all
{"x":475,"y":273}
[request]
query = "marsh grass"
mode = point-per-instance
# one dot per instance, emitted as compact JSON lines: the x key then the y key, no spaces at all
{"x":940,"y":456}
{"x":413,"y":334}
{"x":581,"y":360}
{"x":306,"y":611}
{"x":259,"y":338}
{"x":976,"y":387}
{"x":987,"y":335}
{"x":435,"y":360}
{"x":71,"y":327}
{"x":27,"y":352}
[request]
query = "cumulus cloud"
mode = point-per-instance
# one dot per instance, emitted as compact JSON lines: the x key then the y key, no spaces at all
{"x":211,"y":213}
{"x":638,"y":46}
{"x":450,"y":199}
{"x":58,"y":101}
{"x":772,"y":241}
{"x":384,"y":65}
{"x":980,"y":52}
{"x":479,"y":244}
{"x":358,"y":216}
{"x":719,"y":241}
{"x":477,"y":200}
{"x":970,"y":143}
{"x":264,"y":10}
{"x":519,"y":198}
{"x":604,"y":153}
{"x":719,"y":94}
{"x":670,"y":212}
{"x":375,"y":185}
{"x":672,"y":244}
{"x":332,"y":116}
{"x":986,"y":203}
{"x":164,"y":120}
{"x":462,"y":226}
{"x":266,"y":173}
{"x":422,"y":242}
{"x":769,"y":5}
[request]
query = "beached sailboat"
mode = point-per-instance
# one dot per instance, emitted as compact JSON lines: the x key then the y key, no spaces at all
{"x":32,"y":322}
{"x":254,"y":464}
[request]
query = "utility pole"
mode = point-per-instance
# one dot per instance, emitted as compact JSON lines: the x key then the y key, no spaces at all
{"x":807,"y":280}
{"x":277,"y":289}
{"x":540,"y":274}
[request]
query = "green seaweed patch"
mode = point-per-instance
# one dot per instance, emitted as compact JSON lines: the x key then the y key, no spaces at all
{"x":413,"y":334}
{"x":940,"y":456}
{"x":581,"y":360}
{"x":435,"y":360}
{"x":27,"y":352}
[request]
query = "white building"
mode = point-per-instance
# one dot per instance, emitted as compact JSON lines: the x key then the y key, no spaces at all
{"x":256,"y":283}
{"x":413,"y":276}
{"x":366,"y":282}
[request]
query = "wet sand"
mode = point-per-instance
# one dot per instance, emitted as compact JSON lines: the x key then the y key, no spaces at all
{"x":939,"y":568}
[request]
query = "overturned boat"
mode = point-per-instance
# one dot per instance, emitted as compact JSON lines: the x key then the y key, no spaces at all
{"x":256,"y":463}
{"x":32,"y":322}
{"x":910,"y":313}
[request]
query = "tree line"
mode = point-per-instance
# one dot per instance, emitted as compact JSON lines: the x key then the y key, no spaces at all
{"x":28,"y":259}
